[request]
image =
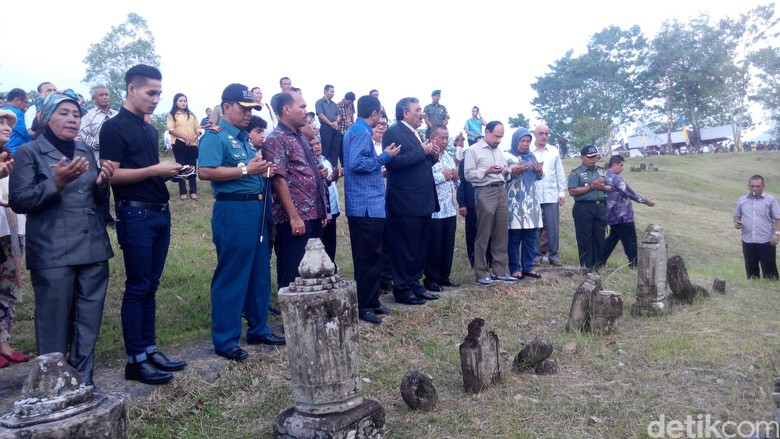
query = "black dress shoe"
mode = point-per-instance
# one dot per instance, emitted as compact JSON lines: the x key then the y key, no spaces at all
{"x":235,"y":353}
{"x":161,"y":362}
{"x":146,"y":373}
{"x":410,"y":300}
{"x":271,"y":339}
{"x":532,"y":274}
{"x":369,"y":316}
{"x":381,"y":309}
{"x":433,"y":286}
{"x":427,"y":296}
{"x":450,"y":283}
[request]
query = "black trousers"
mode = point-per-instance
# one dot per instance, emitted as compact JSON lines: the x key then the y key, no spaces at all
{"x":290,"y":249}
{"x":186,"y":155}
{"x":329,"y":238}
{"x":365,"y":236}
{"x":331,"y":144}
{"x":441,"y":247}
{"x":471,"y":235}
{"x":590,"y":223}
{"x":761,"y":254}
{"x":386,"y":262}
{"x":408,"y":251}
{"x":626,"y":234}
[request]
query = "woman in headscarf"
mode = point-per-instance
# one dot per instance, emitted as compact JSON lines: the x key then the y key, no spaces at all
{"x":525,"y":212}
{"x":11,"y":227}
{"x":56,"y":182}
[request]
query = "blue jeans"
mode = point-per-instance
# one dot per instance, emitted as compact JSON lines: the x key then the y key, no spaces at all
{"x":143,"y":235}
{"x":526,"y":237}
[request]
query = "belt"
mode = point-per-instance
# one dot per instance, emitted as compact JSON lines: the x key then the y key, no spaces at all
{"x":161,"y":207}
{"x":494,"y":185}
{"x":590,"y":201}
{"x":238,"y":197}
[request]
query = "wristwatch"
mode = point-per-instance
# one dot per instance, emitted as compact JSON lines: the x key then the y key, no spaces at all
{"x":244,"y":171}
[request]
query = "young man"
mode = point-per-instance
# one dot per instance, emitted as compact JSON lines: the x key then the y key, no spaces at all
{"x":143,"y":225}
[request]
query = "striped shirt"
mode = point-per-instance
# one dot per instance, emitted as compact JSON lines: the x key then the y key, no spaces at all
{"x":758,"y":215}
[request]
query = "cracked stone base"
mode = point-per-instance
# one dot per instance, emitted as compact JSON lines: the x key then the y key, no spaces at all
{"x":364,"y":421}
{"x":650,"y":309}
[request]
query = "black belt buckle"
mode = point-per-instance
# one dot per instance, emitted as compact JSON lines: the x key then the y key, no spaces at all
{"x":160,"y":207}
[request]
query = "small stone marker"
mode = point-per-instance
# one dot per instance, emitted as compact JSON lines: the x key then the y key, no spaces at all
{"x":607,"y":309}
{"x":683,"y":290}
{"x":579,"y":314}
{"x":479,"y":358}
{"x":651,"y":295}
{"x":533,"y":355}
{"x":719,"y":285}
{"x":57,"y":405}
{"x":418,"y":392}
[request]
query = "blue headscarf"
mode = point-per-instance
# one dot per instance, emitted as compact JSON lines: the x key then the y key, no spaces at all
{"x":529,"y":176}
{"x":47,"y":104}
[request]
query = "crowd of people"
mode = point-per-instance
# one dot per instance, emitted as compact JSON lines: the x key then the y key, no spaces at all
{"x":273,"y":169}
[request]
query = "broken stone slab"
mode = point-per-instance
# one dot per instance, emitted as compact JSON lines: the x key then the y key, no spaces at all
{"x":51,"y":376}
{"x":651,"y":291}
{"x":365,"y":421}
{"x":479,"y":358}
{"x":719,"y":285}
{"x":683,"y":290}
{"x":546,"y":367}
{"x":579,"y":314}
{"x":607,"y":309}
{"x":533,"y":354}
{"x":418,"y":391}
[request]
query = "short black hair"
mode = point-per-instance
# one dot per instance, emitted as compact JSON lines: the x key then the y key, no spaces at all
{"x":326,"y":88}
{"x":366,"y":106}
{"x":139,"y":74}
{"x":403,"y":105}
{"x":615,"y":159}
{"x":436,"y":128}
{"x":282,"y":79}
{"x":755,"y":177}
{"x":16,"y":93}
{"x":40,"y":86}
{"x":280,"y":100}
{"x":491,"y":126}
{"x":257,"y":122}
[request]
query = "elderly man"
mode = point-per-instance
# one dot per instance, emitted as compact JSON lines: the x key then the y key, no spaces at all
{"x":300,"y":193}
{"x":589,"y":185}
{"x":620,"y":214}
{"x":364,"y":195}
{"x":241,"y":286}
{"x":411,"y":199}
{"x":551,"y":190}
{"x":758,"y":217}
{"x":485,"y":168}
{"x":435,"y":113}
{"x":90,"y":134}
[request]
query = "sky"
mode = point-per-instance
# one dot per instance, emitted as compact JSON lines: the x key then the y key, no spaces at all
{"x":485,"y":53}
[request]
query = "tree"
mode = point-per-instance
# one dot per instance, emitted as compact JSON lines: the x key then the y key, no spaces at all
{"x":124,"y":46}
{"x":519,"y":121}
{"x":159,"y":121}
{"x":589,"y":131}
{"x":599,"y":85}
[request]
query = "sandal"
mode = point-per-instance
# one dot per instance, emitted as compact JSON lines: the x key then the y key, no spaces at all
{"x":16,"y":357}
{"x":194,"y":196}
{"x":183,"y":197}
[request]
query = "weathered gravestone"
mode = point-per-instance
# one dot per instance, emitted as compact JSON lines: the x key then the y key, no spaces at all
{"x":719,"y":285}
{"x":651,"y":288}
{"x":534,"y":356}
{"x":321,"y":326}
{"x":57,"y":405}
{"x":593,"y":309}
{"x":683,"y":290}
{"x":418,"y":392}
{"x":607,"y":309}
{"x":479,"y":358}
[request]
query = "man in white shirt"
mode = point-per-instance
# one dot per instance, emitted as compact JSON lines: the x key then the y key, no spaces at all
{"x":552,"y":194}
{"x":90,"y":134}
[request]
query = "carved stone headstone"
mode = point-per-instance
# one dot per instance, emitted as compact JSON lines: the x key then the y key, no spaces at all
{"x":683,"y":290}
{"x":321,"y":326}
{"x":479,"y":358}
{"x":56,"y":404}
{"x":533,"y":354}
{"x":607,"y":309}
{"x":719,"y":285}
{"x":579,"y":314}
{"x":418,"y":392}
{"x":776,"y":399}
{"x":651,"y":289}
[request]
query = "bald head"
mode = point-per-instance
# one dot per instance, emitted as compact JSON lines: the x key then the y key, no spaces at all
{"x":541,"y":134}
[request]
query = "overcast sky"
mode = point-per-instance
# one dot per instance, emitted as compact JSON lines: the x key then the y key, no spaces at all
{"x":486,"y":54}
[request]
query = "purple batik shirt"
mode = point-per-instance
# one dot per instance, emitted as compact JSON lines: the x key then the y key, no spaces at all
{"x":298,"y":166}
{"x":619,"y":210}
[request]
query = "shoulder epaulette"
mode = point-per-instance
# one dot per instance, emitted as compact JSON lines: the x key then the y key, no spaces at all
{"x":215,"y":129}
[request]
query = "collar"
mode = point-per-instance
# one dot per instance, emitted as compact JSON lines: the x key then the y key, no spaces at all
{"x":362,"y":122}
{"x":131,"y":114}
{"x":408,"y":126}
{"x":232,"y":130}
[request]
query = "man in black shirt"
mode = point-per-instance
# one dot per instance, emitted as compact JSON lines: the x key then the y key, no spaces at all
{"x":143,"y":220}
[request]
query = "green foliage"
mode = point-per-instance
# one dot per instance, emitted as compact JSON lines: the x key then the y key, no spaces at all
{"x":126,"y":45}
{"x":519,"y":121}
{"x":160,"y":123}
{"x":589,"y":131}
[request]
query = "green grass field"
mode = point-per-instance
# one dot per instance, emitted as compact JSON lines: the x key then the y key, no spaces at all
{"x":718,"y":356}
